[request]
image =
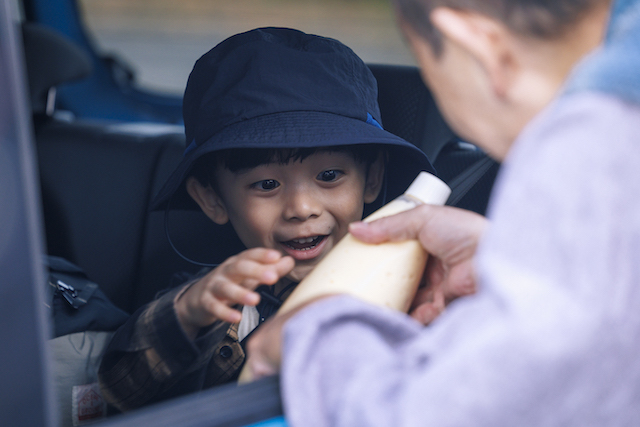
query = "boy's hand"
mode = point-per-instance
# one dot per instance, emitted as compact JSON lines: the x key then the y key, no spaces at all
{"x":231,"y":283}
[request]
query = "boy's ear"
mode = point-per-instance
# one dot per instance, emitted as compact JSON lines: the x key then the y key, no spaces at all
{"x":208,"y":200}
{"x":375,"y":177}
{"x":486,"y":39}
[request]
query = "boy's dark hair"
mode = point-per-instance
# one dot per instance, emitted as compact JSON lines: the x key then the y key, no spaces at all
{"x":246,"y":158}
{"x":543,"y":19}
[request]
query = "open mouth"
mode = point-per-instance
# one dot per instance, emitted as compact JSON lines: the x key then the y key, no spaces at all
{"x":305,"y":243}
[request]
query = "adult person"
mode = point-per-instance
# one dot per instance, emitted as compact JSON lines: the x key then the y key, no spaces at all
{"x":552,"y":335}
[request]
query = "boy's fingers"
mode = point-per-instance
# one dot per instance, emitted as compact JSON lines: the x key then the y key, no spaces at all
{"x":252,"y":273}
{"x":235,"y":279}
{"x":222,"y":311}
{"x":242,"y":270}
{"x":250,"y":283}
{"x":285,"y":265}
{"x":262,"y":255}
{"x":234,"y":293}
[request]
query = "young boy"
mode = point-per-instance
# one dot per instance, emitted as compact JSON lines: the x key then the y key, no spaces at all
{"x":284,"y":142}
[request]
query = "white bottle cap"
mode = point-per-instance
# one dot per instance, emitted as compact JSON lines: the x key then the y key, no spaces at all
{"x":429,"y":189}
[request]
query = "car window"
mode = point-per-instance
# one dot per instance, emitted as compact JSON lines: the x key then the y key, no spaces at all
{"x":160,"y":40}
{"x":24,"y":375}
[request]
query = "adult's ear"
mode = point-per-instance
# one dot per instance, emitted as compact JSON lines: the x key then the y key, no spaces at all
{"x":486,"y":39}
{"x":375,"y":177}
{"x":208,"y":200}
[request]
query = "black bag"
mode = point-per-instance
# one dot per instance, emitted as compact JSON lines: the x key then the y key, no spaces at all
{"x":77,"y":303}
{"x":83,"y":322}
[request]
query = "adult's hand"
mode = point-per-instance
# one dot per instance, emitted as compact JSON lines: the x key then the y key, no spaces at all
{"x":450,"y":235}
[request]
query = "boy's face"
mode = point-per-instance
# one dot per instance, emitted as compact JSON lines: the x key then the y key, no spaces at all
{"x":302,"y":208}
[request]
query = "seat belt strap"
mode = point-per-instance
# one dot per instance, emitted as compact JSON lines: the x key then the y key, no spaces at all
{"x":462,"y":183}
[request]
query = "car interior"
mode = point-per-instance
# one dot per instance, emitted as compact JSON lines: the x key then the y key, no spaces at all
{"x":99,"y":176}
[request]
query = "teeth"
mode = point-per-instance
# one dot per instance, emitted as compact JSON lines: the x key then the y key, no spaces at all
{"x":304,"y":243}
{"x":304,"y":240}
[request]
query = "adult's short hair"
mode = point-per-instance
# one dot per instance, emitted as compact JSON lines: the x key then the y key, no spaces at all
{"x":543,"y":19}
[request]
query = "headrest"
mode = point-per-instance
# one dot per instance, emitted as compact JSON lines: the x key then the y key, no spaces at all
{"x":51,"y":59}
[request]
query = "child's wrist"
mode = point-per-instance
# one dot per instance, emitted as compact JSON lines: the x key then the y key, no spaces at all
{"x":182,"y":314}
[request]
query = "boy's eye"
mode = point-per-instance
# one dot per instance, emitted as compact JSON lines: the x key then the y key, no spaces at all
{"x":266,"y":184}
{"x":329,"y":175}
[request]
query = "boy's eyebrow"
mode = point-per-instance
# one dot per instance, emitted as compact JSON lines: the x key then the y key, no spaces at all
{"x":242,"y":171}
{"x":247,"y":169}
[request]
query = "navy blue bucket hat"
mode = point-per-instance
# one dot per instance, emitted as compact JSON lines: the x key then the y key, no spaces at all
{"x":282,"y":88}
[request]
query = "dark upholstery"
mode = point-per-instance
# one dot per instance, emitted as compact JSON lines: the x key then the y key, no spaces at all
{"x":96,"y":184}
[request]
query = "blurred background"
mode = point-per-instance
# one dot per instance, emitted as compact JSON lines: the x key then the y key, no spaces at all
{"x":159,"y":40}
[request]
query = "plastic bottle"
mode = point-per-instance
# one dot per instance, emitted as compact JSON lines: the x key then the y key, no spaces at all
{"x":386,"y":274}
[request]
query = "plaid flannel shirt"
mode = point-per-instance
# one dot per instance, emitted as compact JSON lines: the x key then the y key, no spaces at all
{"x":150,"y":358}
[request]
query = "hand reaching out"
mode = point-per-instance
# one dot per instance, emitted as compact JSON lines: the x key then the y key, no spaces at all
{"x":231,"y":283}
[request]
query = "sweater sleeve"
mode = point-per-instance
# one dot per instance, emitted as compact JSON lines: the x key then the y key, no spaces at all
{"x":551,"y":337}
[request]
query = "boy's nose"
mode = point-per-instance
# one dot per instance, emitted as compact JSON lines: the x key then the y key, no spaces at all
{"x":301,"y":204}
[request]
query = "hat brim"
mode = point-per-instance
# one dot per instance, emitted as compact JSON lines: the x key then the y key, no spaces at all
{"x":298,"y":129}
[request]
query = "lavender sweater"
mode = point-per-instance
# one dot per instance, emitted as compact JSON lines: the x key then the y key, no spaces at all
{"x":553,"y":335}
